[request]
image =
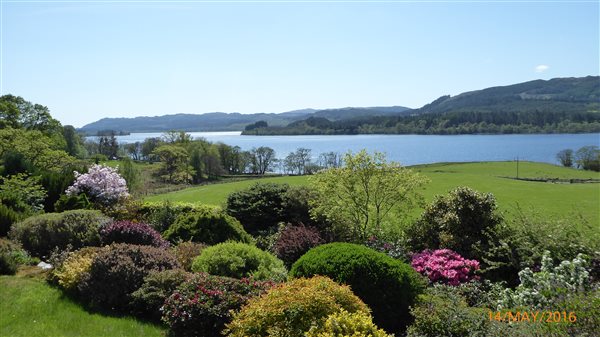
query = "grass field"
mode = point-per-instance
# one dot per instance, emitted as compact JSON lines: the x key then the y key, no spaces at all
{"x":555,"y":199}
{"x":29,"y":307}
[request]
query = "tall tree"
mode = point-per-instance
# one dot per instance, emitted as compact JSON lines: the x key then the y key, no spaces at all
{"x":565,"y":157}
{"x":263,"y":159}
{"x":175,"y":162}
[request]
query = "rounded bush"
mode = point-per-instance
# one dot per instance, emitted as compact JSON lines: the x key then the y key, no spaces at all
{"x":132,"y":232}
{"x":40,"y":234}
{"x":294,"y":241}
{"x":206,"y":225}
{"x":292,"y":308}
{"x":157,"y":286}
{"x":161,"y":215}
{"x":73,"y":269}
{"x":385,"y":284}
{"x":238,"y":260}
{"x":202,"y":305}
{"x":343,"y":323}
{"x":11,"y":256}
{"x":8,"y":216}
{"x":118,"y":270}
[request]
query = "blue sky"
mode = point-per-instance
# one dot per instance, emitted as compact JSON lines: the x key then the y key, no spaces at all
{"x":86,"y":61}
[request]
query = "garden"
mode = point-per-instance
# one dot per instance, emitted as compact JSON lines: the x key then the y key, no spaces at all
{"x":356,"y":249}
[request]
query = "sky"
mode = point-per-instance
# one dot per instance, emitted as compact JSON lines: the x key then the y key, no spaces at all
{"x":87,"y":60}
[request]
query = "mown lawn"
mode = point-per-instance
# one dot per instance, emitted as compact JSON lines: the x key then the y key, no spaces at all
{"x":549,"y":199}
{"x":29,"y":307}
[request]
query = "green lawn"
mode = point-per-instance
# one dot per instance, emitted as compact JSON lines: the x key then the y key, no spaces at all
{"x":554,"y":199}
{"x":29,"y":307}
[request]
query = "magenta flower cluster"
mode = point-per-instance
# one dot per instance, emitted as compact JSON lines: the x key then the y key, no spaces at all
{"x":445,"y":266}
{"x":102,"y":184}
{"x":133,"y":233}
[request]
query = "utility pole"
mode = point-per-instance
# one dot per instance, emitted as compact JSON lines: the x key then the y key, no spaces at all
{"x":517,"y":167}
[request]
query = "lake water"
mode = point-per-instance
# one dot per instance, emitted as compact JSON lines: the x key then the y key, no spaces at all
{"x":410,"y":149}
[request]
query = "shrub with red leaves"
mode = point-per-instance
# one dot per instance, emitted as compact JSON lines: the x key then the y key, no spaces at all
{"x":445,"y":266}
{"x":203,"y":305}
{"x":294,"y":241}
{"x":133,"y":233}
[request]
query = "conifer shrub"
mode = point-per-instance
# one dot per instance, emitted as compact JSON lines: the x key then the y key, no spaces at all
{"x":203,"y":304}
{"x":118,"y":270}
{"x":206,"y":225}
{"x":132,"y":232}
{"x":291,"y":309}
{"x":40,"y":234}
{"x":239,"y":260}
{"x":388,"y":286}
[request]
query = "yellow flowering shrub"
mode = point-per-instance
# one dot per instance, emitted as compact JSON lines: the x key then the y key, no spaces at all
{"x":290,"y":309}
{"x":346,"y":324}
{"x":76,"y":264}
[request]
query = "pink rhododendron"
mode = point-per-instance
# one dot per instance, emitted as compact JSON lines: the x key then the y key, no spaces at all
{"x":102,"y":184}
{"x":445,"y":266}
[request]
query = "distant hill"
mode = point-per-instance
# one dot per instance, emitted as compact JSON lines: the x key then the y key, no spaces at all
{"x":219,"y":121}
{"x":560,"y":105}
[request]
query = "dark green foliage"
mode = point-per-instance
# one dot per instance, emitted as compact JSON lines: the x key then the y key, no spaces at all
{"x":588,"y":158}
{"x":209,"y":301}
{"x":262,"y":207}
{"x":118,"y":270}
{"x":7,"y":217}
{"x":162,"y":215}
{"x":258,"y":208}
{"x":68,"y":203}
{"x":55,"y":183}
{"x":386,"y":285}
{"x":239,"y":260}
{"x":11,"y":256}
{"x":458,"y":221}
{"x":446,"y":314}
{"x":157,"y":286}
{"x":40,"y":234}
{"x":206,"y":225}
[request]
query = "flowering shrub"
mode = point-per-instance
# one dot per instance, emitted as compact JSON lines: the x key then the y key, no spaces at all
{"x":343,"y":323}
{"x":132,"y":232}
{"x":550,"y":285}
{"x":202,"y":305}
{"x":392,"y":249}
{"x":292,"y":308}
{"x":70,"y":273}
{"x":388,"y":286}
{"x":445,"y":266}
{"x":118,"y":270}
{"x":102,"y":184}
{"x":238,"y":260}
{"x":294,"y":241}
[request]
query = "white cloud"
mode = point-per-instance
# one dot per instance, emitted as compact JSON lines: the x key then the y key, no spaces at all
{"x":541,"y":68}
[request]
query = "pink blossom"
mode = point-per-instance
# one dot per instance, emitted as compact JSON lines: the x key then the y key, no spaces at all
{"x":445,"y":266}
{"x":102,"y":184}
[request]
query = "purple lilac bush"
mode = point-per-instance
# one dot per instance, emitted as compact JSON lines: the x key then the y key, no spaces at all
{"x":102,"y":184}
{"x":445,"y":266}
{"x":133,"y":233}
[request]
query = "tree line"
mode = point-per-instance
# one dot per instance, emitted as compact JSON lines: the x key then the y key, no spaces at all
{"x":586,"y":158}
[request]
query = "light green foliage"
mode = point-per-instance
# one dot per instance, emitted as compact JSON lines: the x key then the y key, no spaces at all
{"x":368,"y":195}
{"x":238,"y":260}
{"x":131,"y":174}
{"x":32,"y":308}
{"x":174,"y":160}
{"x":545,"y":288}
{"x":36,"y":147}
{"x":74,"y":267}
{"x":292,"y":308}
{"x":22,"y":191}
{"x":345,"y":324}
